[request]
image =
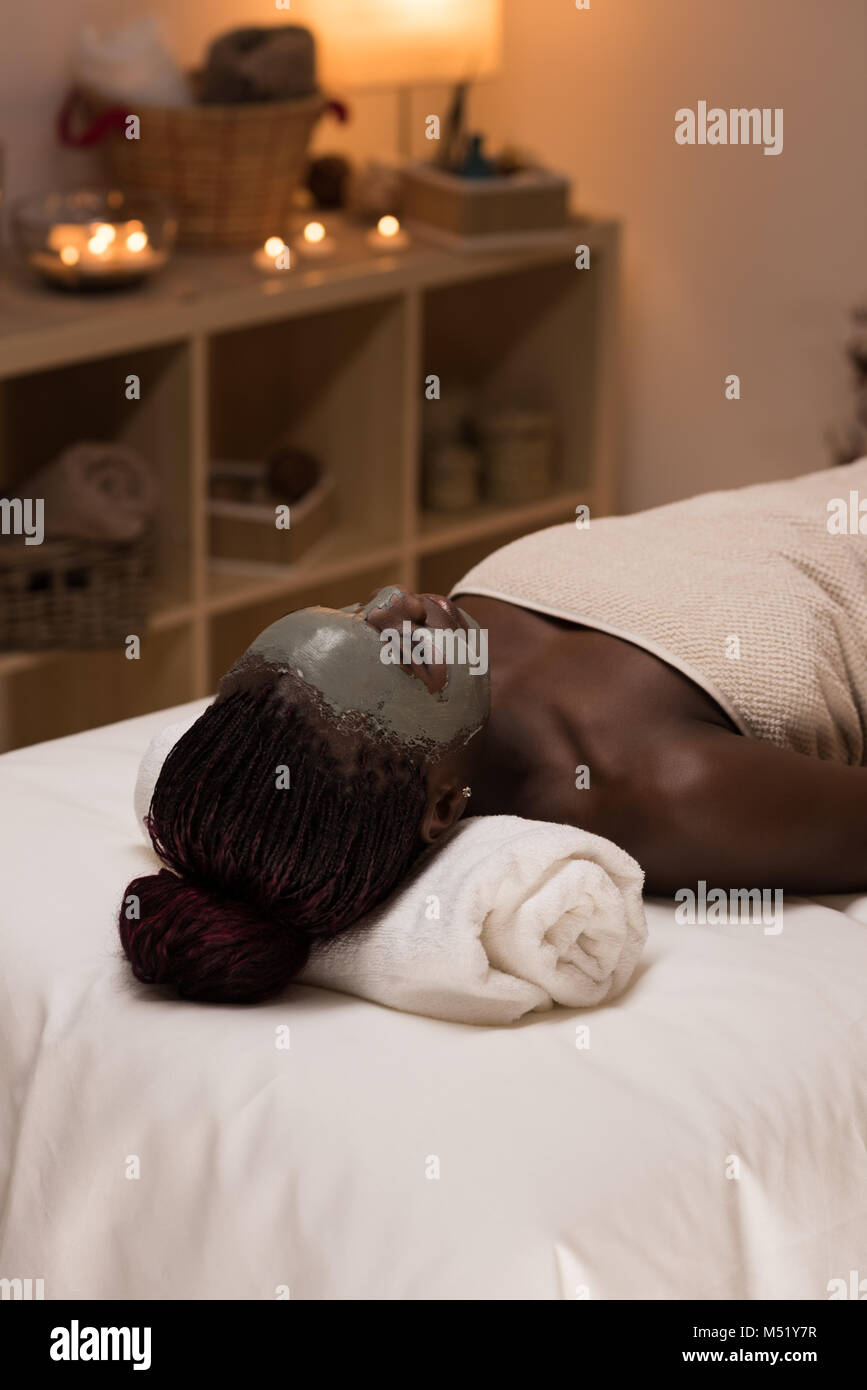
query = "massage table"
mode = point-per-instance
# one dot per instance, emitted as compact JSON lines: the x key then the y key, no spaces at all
{"x":705,"y":1136}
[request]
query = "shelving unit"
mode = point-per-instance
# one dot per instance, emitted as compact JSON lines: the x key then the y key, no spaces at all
{"x":334,"y":357}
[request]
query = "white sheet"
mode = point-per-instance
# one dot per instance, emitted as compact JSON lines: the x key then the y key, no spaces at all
{"x":564,"y":1172}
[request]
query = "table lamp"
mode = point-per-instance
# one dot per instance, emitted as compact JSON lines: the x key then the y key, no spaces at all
{"x":402,"y":43}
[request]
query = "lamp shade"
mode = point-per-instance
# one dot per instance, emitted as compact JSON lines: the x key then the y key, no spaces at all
{"x":397,"y":43}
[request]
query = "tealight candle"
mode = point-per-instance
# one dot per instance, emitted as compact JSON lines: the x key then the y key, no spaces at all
{"x":97,"y":253}
{"x":273,"y":256}
{"x":315,"y":242}
{"x":388,"y":235}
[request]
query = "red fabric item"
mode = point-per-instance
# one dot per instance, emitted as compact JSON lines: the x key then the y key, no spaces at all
{"x":72,"y":116}
{"x":338,"y":109}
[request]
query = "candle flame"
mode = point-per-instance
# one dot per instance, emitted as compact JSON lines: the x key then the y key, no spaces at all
{"x":137,"y":241}
{"x":388,"y":226}
{"x":273,"y":246}
{"x":314,"y":232}
{"x":102,"y":235}
{"x":69,"y":255}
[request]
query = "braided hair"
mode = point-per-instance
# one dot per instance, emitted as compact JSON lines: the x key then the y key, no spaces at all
{"x":272,"y":839}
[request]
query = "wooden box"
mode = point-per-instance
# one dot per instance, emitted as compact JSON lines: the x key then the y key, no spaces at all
{"x":484,"y":213}
{"x":247,"y":531}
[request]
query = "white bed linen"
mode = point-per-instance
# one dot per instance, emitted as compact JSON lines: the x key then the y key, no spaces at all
{"x":564,"y":1172}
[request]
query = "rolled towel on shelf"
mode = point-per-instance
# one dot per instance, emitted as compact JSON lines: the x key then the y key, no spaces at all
{"x":98,"y":492}
{"x":504,"y":917}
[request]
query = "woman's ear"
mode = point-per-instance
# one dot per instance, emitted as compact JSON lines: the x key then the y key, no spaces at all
{"x":445,"y":805}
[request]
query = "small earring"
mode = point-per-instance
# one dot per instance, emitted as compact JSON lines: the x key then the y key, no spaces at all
{"x":466,"y":792}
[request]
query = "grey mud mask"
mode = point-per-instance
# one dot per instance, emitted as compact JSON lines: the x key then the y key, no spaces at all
{"x":341,"y":656}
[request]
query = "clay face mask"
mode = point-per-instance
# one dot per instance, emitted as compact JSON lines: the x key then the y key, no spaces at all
{"x":346,"y":659}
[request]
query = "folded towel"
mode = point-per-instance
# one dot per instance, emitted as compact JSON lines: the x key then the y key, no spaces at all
{"x":100,"y":492}
{"x":503,"y":917}
{"x":259,"y":64}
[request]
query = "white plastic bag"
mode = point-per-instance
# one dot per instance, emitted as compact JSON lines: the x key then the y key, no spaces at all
{"x":130,"y":64}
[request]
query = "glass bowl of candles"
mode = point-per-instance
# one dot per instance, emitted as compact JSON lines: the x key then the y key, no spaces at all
{"x":94,"y":239}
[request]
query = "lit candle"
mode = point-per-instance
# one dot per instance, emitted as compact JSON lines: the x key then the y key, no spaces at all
{"x":80,"y":253}
{"x":388,"y":235}
{"x":315,"y":242}
{"x":102,"y":236}
{"x":273,"y":256}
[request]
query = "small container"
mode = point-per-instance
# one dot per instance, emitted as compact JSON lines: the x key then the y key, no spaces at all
{"x":530,"y":205}
{"x":451,"y":478}
{"x":518,"y":454}
{"x":244,"y":532}
{"x":94,"y":239}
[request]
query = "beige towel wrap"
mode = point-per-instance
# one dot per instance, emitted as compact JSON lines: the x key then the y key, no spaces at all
{"x":748,"y":592}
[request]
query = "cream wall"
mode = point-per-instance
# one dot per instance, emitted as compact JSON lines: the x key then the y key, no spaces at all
{"x":734,"y":261}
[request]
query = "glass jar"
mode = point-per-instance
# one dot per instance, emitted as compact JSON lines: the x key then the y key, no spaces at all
{"x":518,"y":453}
{"x":95,"y":238}
{"x":451,"y":477}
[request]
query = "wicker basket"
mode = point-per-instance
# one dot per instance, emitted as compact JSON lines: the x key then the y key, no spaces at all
{"x":230,"y":171}
{"x":73,"y":593}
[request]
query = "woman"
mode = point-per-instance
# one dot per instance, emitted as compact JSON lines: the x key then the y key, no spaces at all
{"x":689,"y":682}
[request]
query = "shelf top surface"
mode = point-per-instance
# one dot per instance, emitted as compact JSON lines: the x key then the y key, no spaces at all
{"x":41,"y":327}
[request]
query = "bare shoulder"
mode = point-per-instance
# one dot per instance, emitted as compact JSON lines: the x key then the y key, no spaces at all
{"x":708,"y":804}
{"x":590,"y":730}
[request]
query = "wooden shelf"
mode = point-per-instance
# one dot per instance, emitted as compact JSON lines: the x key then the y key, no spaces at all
{"x":333,"y":358}
{"x":216,"y":292}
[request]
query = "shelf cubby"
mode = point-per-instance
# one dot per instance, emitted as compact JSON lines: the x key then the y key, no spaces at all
{"x":524,"y":340}
{"x":43,"y":413}
{"x":323,"y":383}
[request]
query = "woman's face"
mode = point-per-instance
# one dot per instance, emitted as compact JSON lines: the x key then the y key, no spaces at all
{"x":414,"y":664}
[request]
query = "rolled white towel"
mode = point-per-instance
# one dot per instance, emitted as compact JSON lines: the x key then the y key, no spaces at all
{"x":506,"y":916}
{"x":567,"y":913}
{"x":151,"y":764}
{"x":96,"y":491}
{"x":503,"y":917}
